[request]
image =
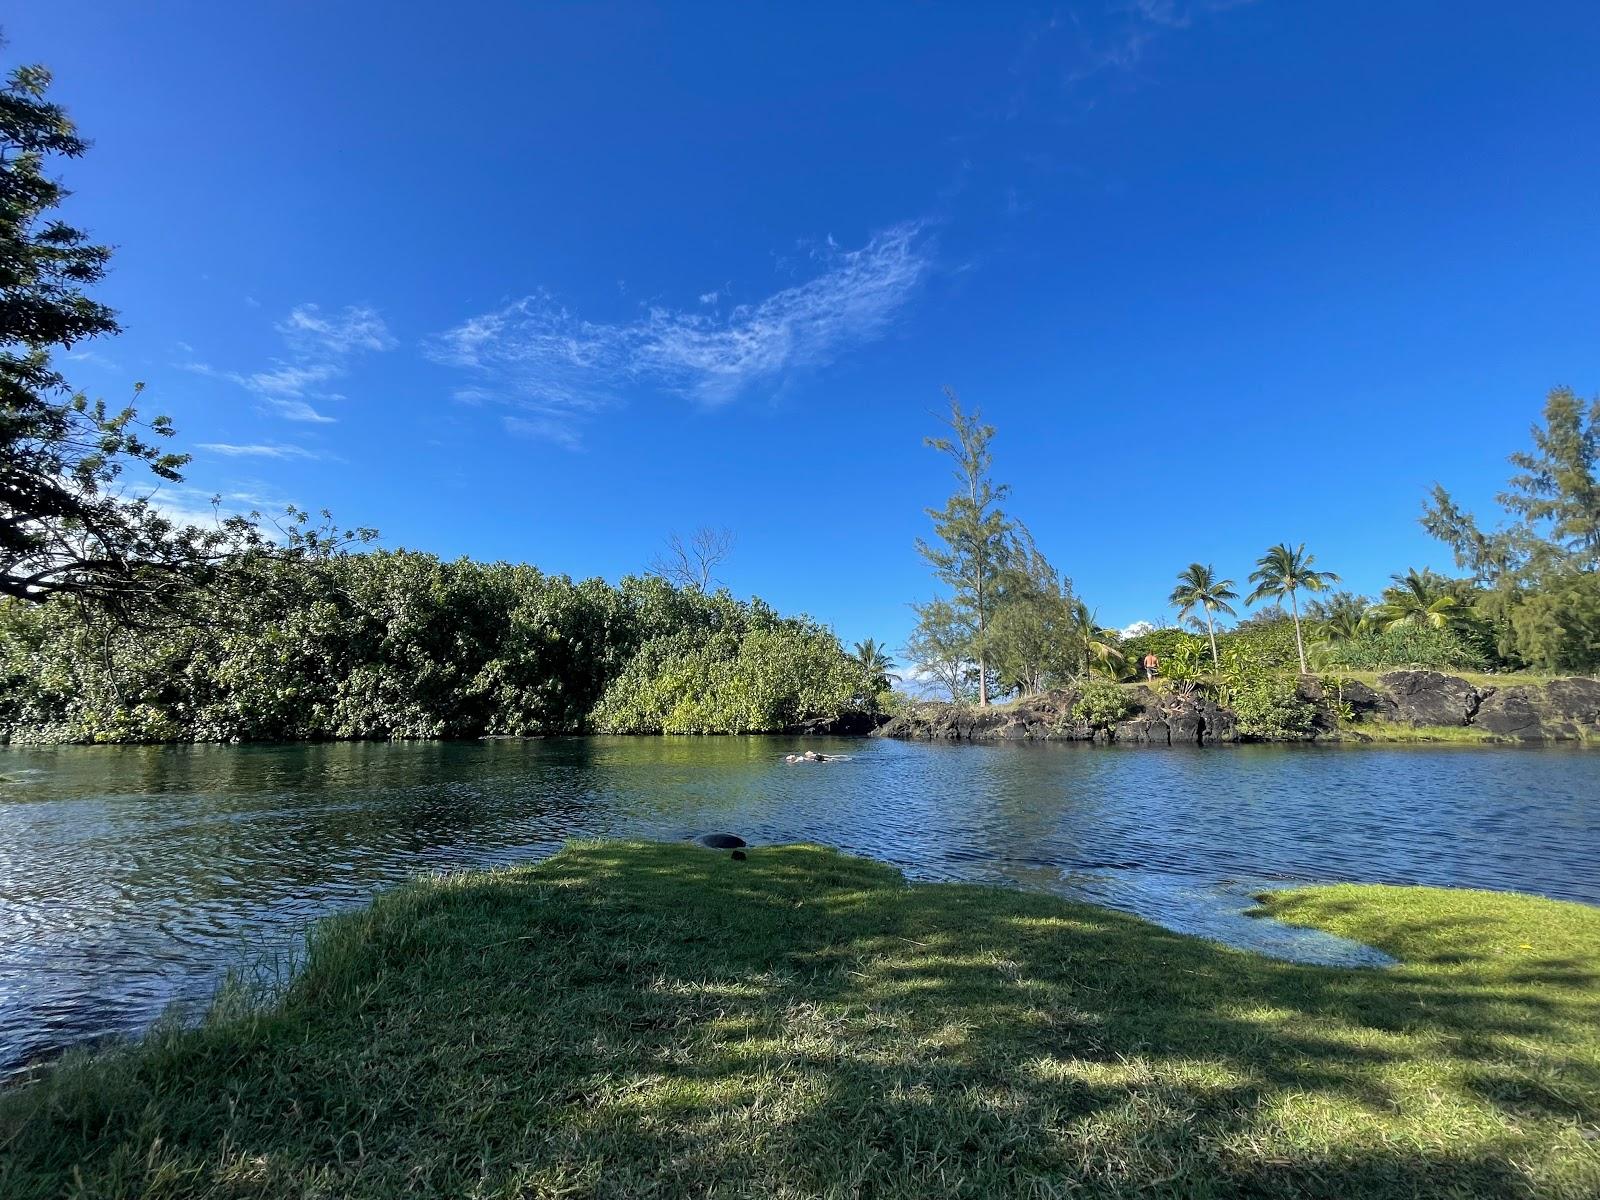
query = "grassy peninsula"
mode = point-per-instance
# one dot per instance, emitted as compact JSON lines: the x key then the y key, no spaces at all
{"x":633,"y":1019}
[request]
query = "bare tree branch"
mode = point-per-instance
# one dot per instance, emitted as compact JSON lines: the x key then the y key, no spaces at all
{"x":693,"y":564}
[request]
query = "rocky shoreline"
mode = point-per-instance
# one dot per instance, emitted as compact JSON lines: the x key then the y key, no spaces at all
{"x":1562,"y":710}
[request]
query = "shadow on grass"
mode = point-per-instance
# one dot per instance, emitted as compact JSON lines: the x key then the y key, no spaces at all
{"x":631,"y":1019}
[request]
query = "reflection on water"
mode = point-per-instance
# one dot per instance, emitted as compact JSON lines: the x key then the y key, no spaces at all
{"x":132,"y":878}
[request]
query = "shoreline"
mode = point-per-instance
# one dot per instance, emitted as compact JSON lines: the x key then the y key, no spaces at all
{"x":1397,"y":708}
{"x":1406,"y":706}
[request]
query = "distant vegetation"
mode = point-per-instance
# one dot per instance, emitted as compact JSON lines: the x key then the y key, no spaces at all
{"x":1009,"y":623}
{"x":398,"y":644}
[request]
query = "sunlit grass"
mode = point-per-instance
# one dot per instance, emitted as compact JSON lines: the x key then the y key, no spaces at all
{"x":1478,"y":679}
{"x":638,"y":1019}
{"x":1398,"y":732}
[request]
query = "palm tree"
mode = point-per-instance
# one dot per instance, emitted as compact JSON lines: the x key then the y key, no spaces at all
{"x":875,"y":661}
{"x":1199,"y":587}
{"x":1089,"y":641}
{"x":1115,"y":667}
{"x":1417,"y":599}
{"x":1284,"y":572}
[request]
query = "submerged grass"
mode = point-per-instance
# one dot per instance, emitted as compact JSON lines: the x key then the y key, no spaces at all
{"x":645,"y":1020}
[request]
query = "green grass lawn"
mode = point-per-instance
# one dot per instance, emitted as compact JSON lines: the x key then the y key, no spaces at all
{"x":646,"y":1020}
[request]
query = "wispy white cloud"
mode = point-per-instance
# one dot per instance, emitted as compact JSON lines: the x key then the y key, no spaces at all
{"x":280,"y":389}
{"x":94,"y":357}
{"x":259,"y":450}
{"x":539,"y":356}
{"x":355,"y":327}
{"x":545,"y":429}
{"x":1116,"y":41}
{"x":319,"y":349}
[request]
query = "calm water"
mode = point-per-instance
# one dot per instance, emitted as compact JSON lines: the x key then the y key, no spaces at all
{"x":131,"y":879}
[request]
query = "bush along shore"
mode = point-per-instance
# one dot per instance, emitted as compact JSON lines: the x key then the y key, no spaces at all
{"x":328,"y":643}
{"x":1398,"y":706}
{"x":631,"y":1019}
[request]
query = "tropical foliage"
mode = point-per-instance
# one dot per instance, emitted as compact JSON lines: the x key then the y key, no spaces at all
{"x":397,"y":644}
{"x":1342,"y":617}
{"x":1102,"y":704}
{"x":1417,"y":598}
{"x":1405,"y":645}
{"x":878,"y":667}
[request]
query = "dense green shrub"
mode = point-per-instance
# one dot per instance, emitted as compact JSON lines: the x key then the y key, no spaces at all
{"x":1407,"y":646}
{"x":1265,"y":701}
{"x":772,"y":677}
{"x":1102,"y":704}
{"x":1269,"y":644}
{"x":1186,"y":670}
{"x":404,"y":645}
{"x":1270,"y":706}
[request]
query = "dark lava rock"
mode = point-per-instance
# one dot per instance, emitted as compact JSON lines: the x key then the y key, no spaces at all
{"x":1575,"y":700}
{"x":1430,"y":697}
{"x":1366,"y":703}
{"x":850,"y":724}
{"x":1512,"y":712}
{"x":1156,"y":720}
{"x":1143,"y":731}
{"x":721,"y":841}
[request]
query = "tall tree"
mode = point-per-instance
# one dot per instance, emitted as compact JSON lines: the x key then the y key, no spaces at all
{"x":69,"y":524}
{"x":1283,"y":572}
{"x":1540,"y":567}
{"x":1556,"y":487}
{"x":973,"y":533}
{"x":1199,"y":587}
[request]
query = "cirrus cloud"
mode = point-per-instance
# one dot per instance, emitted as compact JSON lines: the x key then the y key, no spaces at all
{"x":320,"y":347}
{"x":538,"y":356}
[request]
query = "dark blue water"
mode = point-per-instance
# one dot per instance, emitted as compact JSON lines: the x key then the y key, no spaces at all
{"x":131,"y":879}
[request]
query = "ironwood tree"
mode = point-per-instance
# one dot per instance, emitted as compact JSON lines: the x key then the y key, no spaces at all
{"x":973,"y":540}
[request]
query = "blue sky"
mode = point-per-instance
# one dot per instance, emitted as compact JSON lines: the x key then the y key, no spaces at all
{"x":545,"y":283}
